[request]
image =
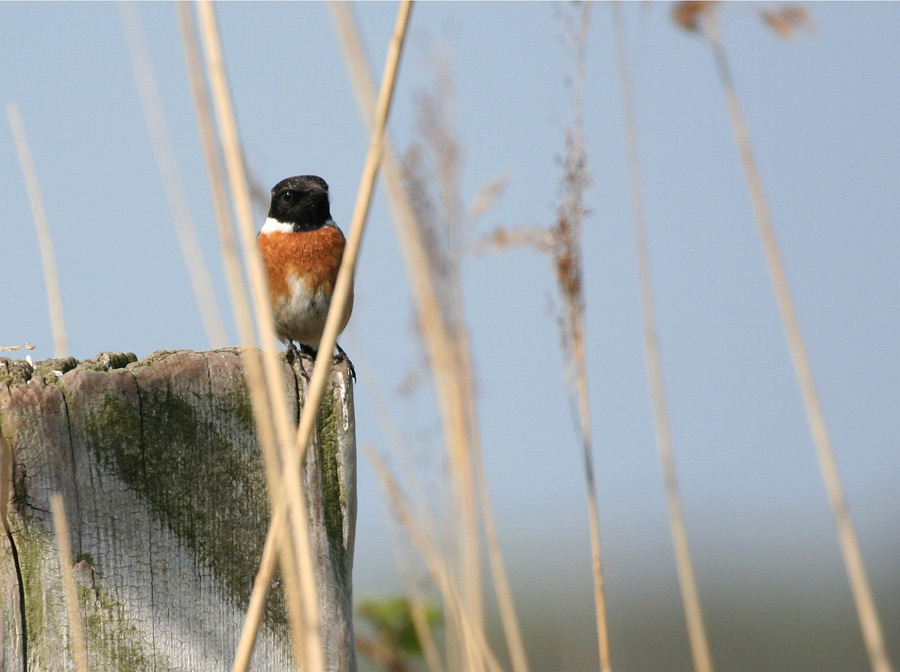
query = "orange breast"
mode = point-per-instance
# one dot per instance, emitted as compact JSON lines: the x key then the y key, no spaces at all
{"x":314,"y":256}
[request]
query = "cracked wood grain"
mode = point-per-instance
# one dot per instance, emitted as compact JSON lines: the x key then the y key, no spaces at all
{"x":158,"y":465}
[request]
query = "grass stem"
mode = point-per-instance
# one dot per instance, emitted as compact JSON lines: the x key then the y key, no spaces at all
{"x":42,"y":228}
{"x":856,"y":571}
{"x":300,"y":586}
{"x":65,"y":566}
{"x":567,"y":256}
{"x":161,"y":140}
{"x":693,"y":614}
{"x":438,"y":340}
{"x":315,"y":392}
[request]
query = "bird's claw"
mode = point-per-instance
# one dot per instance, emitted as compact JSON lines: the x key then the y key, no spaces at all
{"x":295,"y":354}
{"x":342,"y":357}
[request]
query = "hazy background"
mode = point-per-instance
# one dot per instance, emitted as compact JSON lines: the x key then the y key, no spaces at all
{"x":823,"y":115}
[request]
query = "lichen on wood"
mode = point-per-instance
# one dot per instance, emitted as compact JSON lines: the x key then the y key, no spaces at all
{"x":165,"y":492}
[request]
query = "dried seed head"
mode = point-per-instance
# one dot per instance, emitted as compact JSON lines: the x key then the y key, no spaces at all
{"x":688,"y":14}
{"x":786,"y":21}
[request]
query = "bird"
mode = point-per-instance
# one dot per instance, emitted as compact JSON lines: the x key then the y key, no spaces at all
{"x":302,"y":248}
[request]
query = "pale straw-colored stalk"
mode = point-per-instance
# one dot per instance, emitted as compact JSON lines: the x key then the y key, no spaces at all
{"x":315,"y":392}
{"x":24,"y":346}
{"x":476,"y":651}
{"x":257,"y":605}
{"x":300,"y":586}
{"x":161,"y":140}
{"x":65,"y":566}
{"x":423,"y":628}
{"x":419,"y":616}
{"x":344,"y":282}
{"x":569,"y":270}
{"x":578,"y":356}
{"x":446,"y":255}
{"x":42,"y":228}
{"x":503,"y":592}
{"x":241,"y":305}
{"x":437,"y":339}
{"x":690,"y":598}
{"x":856,"y":571}
{"x":206,"y":125}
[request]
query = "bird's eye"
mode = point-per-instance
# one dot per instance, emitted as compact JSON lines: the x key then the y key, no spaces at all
{"x":287,"y":196}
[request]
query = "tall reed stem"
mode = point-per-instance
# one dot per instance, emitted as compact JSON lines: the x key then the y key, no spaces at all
{"x":689,"y":595}
{"x":241,"y":305}
{"x":76,"y":632}
{"x":341,"y":293}
{"x":567,"y":255}
{"x":856,"y":571}
{"x":42,"y":228}
{"x":161,"y":140}
{"x":300,"y":586}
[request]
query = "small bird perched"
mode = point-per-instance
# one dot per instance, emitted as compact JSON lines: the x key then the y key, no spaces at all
{"x":302,"y":248}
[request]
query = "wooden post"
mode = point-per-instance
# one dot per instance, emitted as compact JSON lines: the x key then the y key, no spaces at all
{"x":165,"y":494}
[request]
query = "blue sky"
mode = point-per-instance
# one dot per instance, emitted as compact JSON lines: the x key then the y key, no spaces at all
{"x":822,"y":114}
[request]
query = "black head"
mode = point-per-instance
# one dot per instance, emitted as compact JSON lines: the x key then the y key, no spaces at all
{"x":301,"y":201}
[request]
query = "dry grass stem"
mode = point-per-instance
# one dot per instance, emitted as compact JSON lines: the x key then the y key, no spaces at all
{"x":228,"y":245}
{"x":460,"y":429}
{"x":508,"y":617}
{"x":503,"y":238}
{"x":418,"y":608}
{"x":357,"y":226}
{"x":502,"y":590}
{"x":411,"y":583}
{"x":257,"y":605}
{"x":420,"y":621}
{"x":65,"y":565}
{"x":300,"y":588}
{"x":161,"y":140}
{"x":567,"y":256}
{"x":423,"y":628}
{"x":241,"y":303}
{"x":42,"y":228}
{"x":237,"y":290}
{"x":409,"y":234}
{"x":690,"y":598}
{"x":477,"y":651}
{"x":291,"y":458}
{"x":856,"y":572}
{"x":439,"y":217}
{"x":24,"y":346}
{"x":455,"y":394}
{"x":206,"y":125}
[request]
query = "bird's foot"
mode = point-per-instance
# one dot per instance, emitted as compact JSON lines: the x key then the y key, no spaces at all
{"x":296,"y":353}
{"x":300,"y":351}
{"x":342,"y":357}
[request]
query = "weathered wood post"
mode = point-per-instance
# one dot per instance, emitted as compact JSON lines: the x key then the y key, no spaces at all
{"x":165,"y":495}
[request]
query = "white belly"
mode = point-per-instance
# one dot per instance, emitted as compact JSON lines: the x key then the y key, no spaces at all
{"x":301,"y":316}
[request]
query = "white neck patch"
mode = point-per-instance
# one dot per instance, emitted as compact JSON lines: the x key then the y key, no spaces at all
{"x":274,"y":226}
